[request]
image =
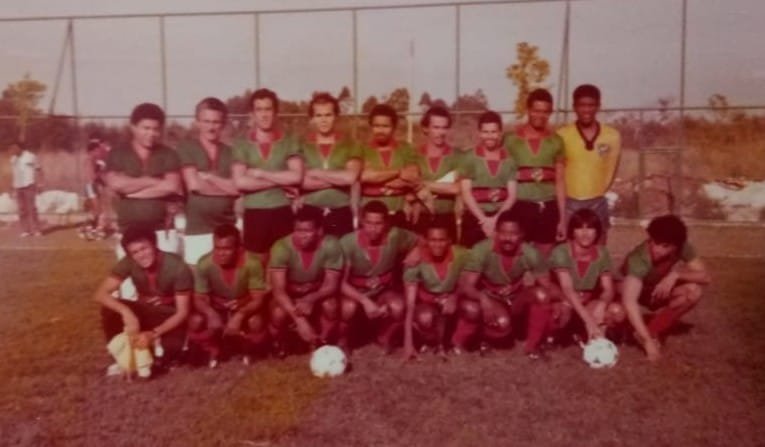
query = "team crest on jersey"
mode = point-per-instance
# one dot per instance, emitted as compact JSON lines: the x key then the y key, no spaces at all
{"x":603,"y":149}
{"x":495,"y":194}
{"x":537,"y":175}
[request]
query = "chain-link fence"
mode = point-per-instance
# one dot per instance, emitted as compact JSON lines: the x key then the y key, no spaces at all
{"x":683,"y":154}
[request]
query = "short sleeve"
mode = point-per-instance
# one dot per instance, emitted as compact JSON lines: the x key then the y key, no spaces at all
{"x":559,"y":153}
{"x":184,"y":279}
{"x":476,"y":259}
{"x":334,"y":255}
{"x":255,"y":275}
{"x":559,"y":258}
{"x":354,"y":151}
{"x":465,"y":169}
{"x":637,"y":266}
{"x":535,"y":261}
{"x":412,"y":274}
{"x":607,"y":265}
{"x":201,"y":278}
{"x":688,"y":252}
{"x":407,"y":241}
{"x":512,"y":170}
{"x":239,"y":153}
{"x":185,"y":155}
{"x":172,"y":161}
{"x":280,"y":255}
{"x":294,"y":148}
{"x":346,"y":245}
{"x":114,"y":161}
{"x":123,"y":268}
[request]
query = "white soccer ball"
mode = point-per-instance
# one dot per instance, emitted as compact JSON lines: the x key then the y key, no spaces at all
{"x":600,"y":353}
{"x":328,"y":361}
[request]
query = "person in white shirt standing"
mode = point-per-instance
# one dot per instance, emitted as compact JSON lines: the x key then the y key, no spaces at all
{"x":27,"y":179}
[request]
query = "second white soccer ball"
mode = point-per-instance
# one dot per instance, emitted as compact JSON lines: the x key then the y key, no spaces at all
{"x":600,"y":353}
{"x":328,"y":361}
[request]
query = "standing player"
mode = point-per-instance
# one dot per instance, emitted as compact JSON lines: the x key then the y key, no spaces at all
{"x":431,"y":292}
{"x":493,"y":282}
{"x":229,"y":297}
{"x":333,"y":166}
{"x":584,"y":272}
{"x":541,"y":187}
{"x":665,"y":275}
{"x":207,"y":173}
{"x":266,"y":162}
{"x":27,"y":179}
{"x":487,"y":181}
{"x":592,"y":155}
{"x":164,"y":283}
{"x":305,"y":269}
{"x":145,"y":176}
{"x":372,"y":255}
{"x":438,"y":164}
{"x":390,"y":174}
{"x":95,"y":194}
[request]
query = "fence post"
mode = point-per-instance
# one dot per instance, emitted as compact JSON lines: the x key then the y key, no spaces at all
{"x":641,"y":165}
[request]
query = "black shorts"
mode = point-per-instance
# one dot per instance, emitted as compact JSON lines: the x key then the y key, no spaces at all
{"x":471,"y":230}
{"x":264,"y":226}
{"x":539,"y":220}
{"x":337,"y":221}
{"x":149,"y":316}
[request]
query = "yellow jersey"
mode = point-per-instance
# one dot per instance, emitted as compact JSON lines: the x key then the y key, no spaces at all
{"x":589,"y":172}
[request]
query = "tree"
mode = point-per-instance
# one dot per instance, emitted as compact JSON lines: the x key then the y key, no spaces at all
{"x":24,"y":95}
{"x":345,"y":98}
{"x":425,"y":101}
{"x":720,"y":106}
{"x":528,"y":73}
{"x":369,"y":104}
{"x":476,"y":101}
{"x":399,"y":100}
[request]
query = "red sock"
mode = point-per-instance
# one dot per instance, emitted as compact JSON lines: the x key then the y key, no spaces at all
{"x":326,"y":327}
{"x":539,"y":322}
{"x":464,"y":332}
{"x":387,"y":330}
{"x":665,"y":319}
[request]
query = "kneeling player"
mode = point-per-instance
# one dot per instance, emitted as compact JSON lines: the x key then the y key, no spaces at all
{"x":305,"y":269}
{"x":583,"y":270}
{"x":492,"y":284}
{"x":229,"y":296}
{"x":372,"y":255}
{"x":431,"y":290}
{"x":163,"y":282}
{"x":665,"y":275}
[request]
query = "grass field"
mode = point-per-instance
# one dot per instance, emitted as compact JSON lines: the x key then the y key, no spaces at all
{"x":707,"y":391}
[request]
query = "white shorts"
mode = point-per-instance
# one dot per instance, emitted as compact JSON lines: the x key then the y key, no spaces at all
{"x":168,"y":241}
{"x":195,"y":246}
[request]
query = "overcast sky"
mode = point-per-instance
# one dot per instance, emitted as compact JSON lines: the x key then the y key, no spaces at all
{"x":630,"y":48}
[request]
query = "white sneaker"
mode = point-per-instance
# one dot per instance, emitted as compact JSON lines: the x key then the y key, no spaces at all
{"x":25,"y":234}
{"x":114,"y":370}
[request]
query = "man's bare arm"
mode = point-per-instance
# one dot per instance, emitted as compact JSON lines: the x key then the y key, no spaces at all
{"x":169,"y":185}
{"x":292,"y":176}
{"x":246,"y":182}
{"x":124,"y":184}
{"x":182,"y":309}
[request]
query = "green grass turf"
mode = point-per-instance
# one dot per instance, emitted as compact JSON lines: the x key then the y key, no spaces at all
{"x":707,"y":391}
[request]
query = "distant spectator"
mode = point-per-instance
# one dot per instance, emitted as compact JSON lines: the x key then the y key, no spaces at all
{"x":27,"y":180}
{"x":95,"y":189}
